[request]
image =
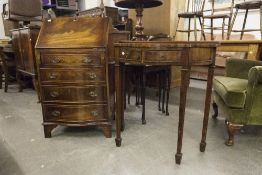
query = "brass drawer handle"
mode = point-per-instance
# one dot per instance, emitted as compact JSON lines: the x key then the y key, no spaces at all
{"x":94,"y":113}
{"x":87,"y":60}
{"x":92,"y":94}
{"x":56,"y":60}
{"x":56,"y":113}
{"x":52,"y":76}
{"x":125,"y":53}
{"x":54,"y":94}
{"x":163,"y":57}
{"x":92,"y":75}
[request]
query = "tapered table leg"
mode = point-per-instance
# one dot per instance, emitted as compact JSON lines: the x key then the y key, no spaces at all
{"x":118,"y":87}
{"x":207,"y":106}
{"x":185,"y":74}
{"x":122,"y":93}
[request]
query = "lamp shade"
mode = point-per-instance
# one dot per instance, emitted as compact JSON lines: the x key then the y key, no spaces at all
{"x":132,"y":4}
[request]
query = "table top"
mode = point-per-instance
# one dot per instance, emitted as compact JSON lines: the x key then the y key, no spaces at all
{"x":188,"y":44}
{"x":241,"y":42}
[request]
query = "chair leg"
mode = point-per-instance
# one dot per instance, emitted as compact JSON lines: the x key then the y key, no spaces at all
{"x":244,"y":25}
{"x":137,"y":88}
{"x":195,"y":28}
{"x":177,"y":27}
{"x":143,"y":95}
{"x":164,"y":91}
{"x":215,"y":108}
{"x":20,"y":82}
{"x":202,"y":29}
{"x":232,"y":24}
{"x":231,"y":129}
{"x":129,"y":92}
{"x":212,"y":31}
{"x":189,"y":27}
{"x":6,"y":81}
{"x":159,"y":90}
{"x":223,"y":29}
{"x":168,"y":89}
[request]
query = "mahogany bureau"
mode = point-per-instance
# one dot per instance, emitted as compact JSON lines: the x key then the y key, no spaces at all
{"x":72,"y":63}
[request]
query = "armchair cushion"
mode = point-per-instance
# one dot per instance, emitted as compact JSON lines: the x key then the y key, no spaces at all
{"x":231,"y":90}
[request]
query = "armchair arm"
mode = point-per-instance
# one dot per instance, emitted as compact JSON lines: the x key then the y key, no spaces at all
{"x":254,"y":94}
{"x":255,"y":75}
{"x":239,"y":68}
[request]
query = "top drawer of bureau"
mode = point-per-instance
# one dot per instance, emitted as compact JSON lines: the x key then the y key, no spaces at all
{"x":90,"y":58}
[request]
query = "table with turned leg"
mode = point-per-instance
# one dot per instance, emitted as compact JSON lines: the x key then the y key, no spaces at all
{"x":178,"y":53}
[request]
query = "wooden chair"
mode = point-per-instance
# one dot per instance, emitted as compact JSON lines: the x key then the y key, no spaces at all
{"x":219,"y":14}
{"x":8,"y":67}
{"x":247,"y":5}
{"x":194,"y":10}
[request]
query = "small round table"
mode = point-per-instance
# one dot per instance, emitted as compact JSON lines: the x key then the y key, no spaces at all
{"x":139,"y":6}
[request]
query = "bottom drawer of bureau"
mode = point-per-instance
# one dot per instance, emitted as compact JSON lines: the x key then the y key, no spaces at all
{"x":75,"y":113}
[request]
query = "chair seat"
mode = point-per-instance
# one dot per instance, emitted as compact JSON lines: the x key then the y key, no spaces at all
{"x":231,"y":90}
{"x":190,"y":14}
{"x":249,"y":5}
{"x":217,"y":16}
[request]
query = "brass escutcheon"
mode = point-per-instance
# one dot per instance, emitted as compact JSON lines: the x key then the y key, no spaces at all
{"x":56,"y":113}
{"x":54,"y":94}
{"x":56,"y":60}
{"x":87,"y":60}
{"x":92,"y":94}
{"x":52,"y":76}
{"x":94,"y":113}
{"x":92,"y":75}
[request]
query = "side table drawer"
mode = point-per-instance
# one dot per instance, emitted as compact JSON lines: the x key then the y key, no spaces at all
{"x":79,"y":75}
{"x":75,"y":113}
{"x":130,"y":54}
{"x":92,"y":58}
{"x":164,"y":55}
{"x":77,"y":94}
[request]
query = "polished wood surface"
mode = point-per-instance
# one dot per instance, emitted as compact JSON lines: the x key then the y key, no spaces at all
{"x":59,"y":33}
{"x":185,"y":54}
{"x":251,"y":47}
{"x":72,"y":60}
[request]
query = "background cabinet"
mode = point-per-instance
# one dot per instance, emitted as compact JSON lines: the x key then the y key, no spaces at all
{"x":23,"y":40}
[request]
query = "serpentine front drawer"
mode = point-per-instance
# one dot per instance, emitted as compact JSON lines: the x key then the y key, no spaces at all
{"x":164,"y":56}
{"x":75,"y":113}
{"x":79,"y":75}
{"x":90,"y":58}
{"x":74,"y":94}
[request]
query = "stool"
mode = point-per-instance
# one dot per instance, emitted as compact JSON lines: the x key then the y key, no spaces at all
{"x":194,"y":10}
{"x":222,"y":14}
{"x":250,"y":5}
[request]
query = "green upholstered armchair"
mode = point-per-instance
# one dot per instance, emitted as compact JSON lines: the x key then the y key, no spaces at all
{"x":239,"y":95}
